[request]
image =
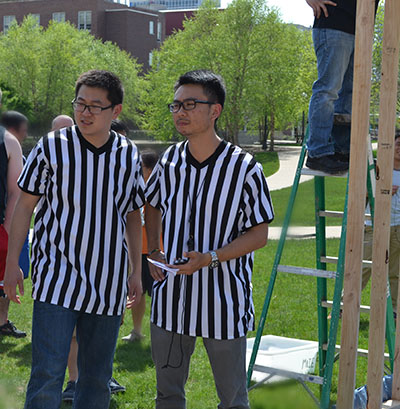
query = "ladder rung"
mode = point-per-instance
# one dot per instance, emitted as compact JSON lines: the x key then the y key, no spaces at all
{"x":289,"y":374}
{"x":334,"y":260}
{"x":360,"y":352}
{"x":363,"y":308}
{"x":311,"y":172}
{"x":330,"y":213}
{"x":314,"y":272}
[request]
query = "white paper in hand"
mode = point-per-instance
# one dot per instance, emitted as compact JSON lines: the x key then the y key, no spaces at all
{"x":163,"y":266}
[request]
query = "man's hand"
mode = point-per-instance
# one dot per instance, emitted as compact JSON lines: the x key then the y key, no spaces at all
{"x":156,"y":272}
{"x":395,"y":188}
{"x":135,"y":290}
{"x":13,"y":277}
{"x":196,"y":262}
{"x":320,"y":5}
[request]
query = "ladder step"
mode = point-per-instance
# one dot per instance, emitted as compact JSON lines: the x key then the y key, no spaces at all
{"x":360,"y":352}
{"x":314,"y":272}
{"x":311,"y":172}
{"x":363,"y":308}
{"x":391,"y":404}
{"x":334,"y":260}
{"x":289,"y":374}
{"x":330,"y":213}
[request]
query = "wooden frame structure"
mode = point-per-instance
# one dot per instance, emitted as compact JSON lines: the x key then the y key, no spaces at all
{"x":357,"y":193}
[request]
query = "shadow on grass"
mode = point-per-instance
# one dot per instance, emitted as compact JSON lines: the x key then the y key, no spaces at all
{"x":21,"y":354}
{"x":133,"y":356}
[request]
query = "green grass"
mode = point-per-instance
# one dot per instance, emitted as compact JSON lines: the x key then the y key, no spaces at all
{"x":304,"y":207}
{"x":269,"y":162}
{"x":292,"y":314}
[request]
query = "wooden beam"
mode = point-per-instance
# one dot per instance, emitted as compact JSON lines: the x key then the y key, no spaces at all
{"x":383,"y":198}
{"x":356,"y":199}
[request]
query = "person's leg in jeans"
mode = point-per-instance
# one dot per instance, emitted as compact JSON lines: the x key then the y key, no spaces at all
{"x":334,"y":50}
{"x":341,"y":133}
{"x":97,"y":338}
{"x":171,"y":356}
{"x":228,"y":363}
{"x":52,"y":328}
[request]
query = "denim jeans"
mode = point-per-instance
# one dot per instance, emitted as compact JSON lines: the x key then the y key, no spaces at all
{"x":331,"y":93}
{"x":52,"y":328}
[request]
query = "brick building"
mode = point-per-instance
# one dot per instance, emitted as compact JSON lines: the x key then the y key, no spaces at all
{"x":134,"y":30}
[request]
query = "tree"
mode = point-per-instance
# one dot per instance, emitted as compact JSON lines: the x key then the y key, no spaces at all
{"x":41,"y":67}
{"x":246,"y":44}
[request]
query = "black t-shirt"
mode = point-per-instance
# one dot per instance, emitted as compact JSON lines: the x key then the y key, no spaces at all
{"x":341,"y":17}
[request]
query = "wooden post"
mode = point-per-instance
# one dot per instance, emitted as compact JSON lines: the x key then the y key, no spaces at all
{"x":381,"y":238}
{"x":356,"y":200}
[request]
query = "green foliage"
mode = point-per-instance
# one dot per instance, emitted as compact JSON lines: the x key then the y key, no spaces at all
{"x":41,"y":66}
{"x":265,"y":63}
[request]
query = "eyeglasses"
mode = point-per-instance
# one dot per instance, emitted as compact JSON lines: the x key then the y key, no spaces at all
{"x":93,"y":109}
{"x":187,"y":104}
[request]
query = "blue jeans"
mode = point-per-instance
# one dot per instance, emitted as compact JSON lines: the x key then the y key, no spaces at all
{"x":331,"y":93}
{"x":52,"y":328}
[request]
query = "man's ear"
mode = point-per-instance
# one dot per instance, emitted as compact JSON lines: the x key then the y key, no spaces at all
{"x":216,"y":110}
{"x":117,"y":110}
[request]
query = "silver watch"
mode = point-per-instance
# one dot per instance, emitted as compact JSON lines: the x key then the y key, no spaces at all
{"x":214,"y":260}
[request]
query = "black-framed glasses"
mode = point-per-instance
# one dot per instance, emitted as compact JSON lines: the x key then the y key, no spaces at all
{"x":93,"y":109}
{"x":187,"y":104}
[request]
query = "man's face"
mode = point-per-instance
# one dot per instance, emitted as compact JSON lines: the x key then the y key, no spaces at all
{"x":199,"y":120}
{"x":93,"y":125}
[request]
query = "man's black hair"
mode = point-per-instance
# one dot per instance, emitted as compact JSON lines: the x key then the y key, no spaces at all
{"x":213,"y":84}
{"x":119,"y":126}
{"x":149,"y":158}
{"x":105,"y":80}
{"x":397,"y":133}
{"x":13,"y":119}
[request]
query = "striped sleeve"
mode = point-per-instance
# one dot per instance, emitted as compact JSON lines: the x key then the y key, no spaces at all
{"x":35,"y":172}
{"x":256,"y":198}
{"x":152,"y":191}
{"x":137,"y":194}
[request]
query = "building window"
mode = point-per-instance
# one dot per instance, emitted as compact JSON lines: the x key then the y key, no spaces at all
{"x":85,"y":20}
{"x":37,"y":18}
{"x":151,"y":27}
{"x":59,"y":17}
{"x":150,"y":58}
{"x":159,"y":29}
{"x":7,"y":20}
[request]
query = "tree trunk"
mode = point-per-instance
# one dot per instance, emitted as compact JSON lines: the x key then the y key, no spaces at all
{"x":272,"y":132}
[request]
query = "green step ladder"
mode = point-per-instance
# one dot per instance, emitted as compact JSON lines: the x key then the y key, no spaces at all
{"x":326,"y":339}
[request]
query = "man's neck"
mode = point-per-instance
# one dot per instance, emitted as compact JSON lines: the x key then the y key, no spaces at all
{"x":202,"y":147}
{"x":396,"y":164}
{"x":97,"y":140}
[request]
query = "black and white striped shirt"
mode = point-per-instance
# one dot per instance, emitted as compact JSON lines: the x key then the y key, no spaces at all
{"x":229,"y":195}
{"x":79,"y":254}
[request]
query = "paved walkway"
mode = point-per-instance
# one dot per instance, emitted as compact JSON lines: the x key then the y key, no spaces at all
{"x":288,"y":161}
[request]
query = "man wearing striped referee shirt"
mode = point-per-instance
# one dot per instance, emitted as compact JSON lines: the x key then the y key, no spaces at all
{"x":212,"y":202}
{"x":86,"y":184}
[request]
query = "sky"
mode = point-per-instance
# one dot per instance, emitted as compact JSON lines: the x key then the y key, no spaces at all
{"x":292,"y":11}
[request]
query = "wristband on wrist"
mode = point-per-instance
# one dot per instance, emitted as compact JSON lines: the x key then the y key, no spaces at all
{"x":154,"y":251}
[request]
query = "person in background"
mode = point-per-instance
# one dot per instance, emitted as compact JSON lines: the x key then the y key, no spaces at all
{"x":61,"y":121}
{"x":149,"y":161}
{"x":333,"y":34}
{"x":10,"y":168}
